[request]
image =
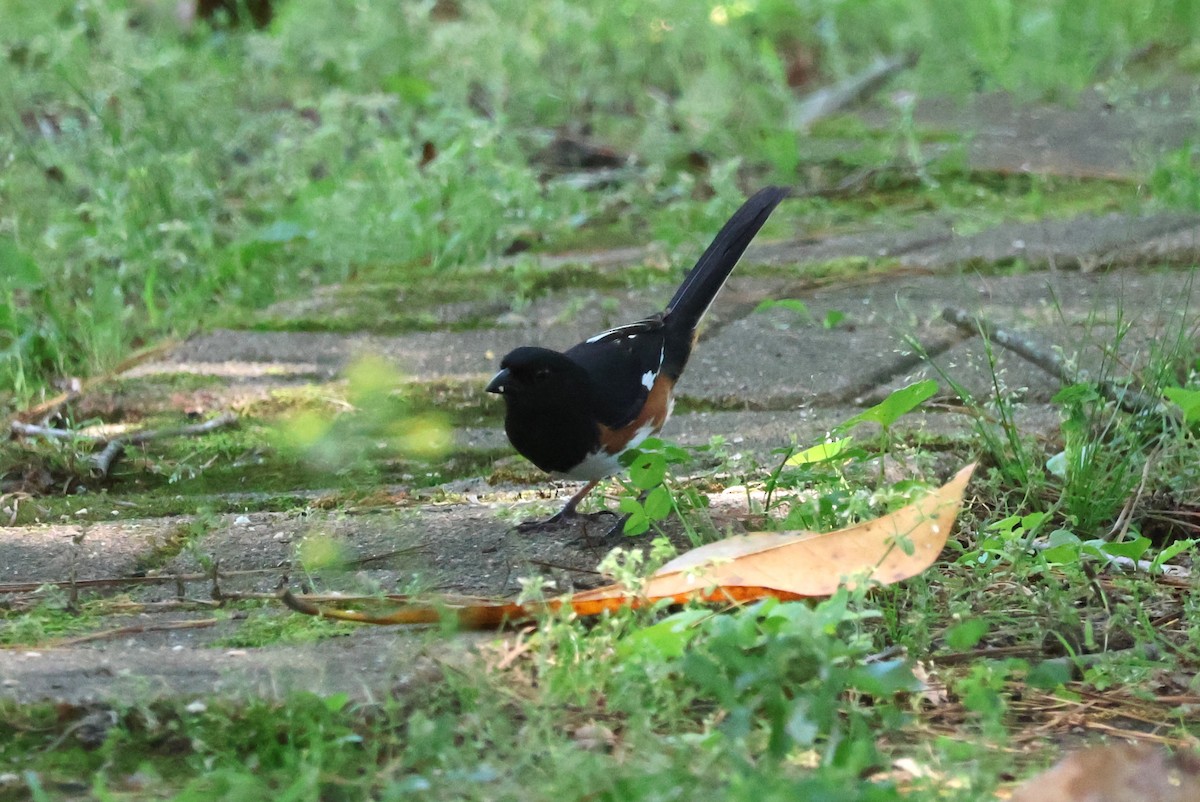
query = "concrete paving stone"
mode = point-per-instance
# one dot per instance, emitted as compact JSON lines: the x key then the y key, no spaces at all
{"x":1181,"y":247}
{"x":390,"y":539}
{"x":923,"y":230}
{"x":1086,"y":346}
{"x":1086,"y":242}
{"x":337,"y":304}
{"x":1094,"y":137}
{"x":461,"y":548}
{"x":929,"y":241}
{"x":606,"y":260}
{"x":587,"y":309}
{"x":903,"y":303}
{"x":562,"y":319}
{"x":774,"y":358}
{"x":770,"y":361}
{"x":368,"y":663}
{"x":48,"y":553}
{"x":595,"y":311}
{"x":926,"y":231}
{"x":423,"y":356}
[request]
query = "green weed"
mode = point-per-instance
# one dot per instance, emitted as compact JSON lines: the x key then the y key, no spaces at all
{"x":199,"y":173}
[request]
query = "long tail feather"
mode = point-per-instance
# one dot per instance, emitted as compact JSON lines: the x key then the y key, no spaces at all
{"x":705,"y":280}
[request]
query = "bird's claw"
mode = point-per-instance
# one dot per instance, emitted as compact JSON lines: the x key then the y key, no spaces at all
{"x":564,"y":518}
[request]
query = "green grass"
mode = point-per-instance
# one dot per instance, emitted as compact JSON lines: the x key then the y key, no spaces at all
{"x":158,"y":178}
{"x":1016,"y":623}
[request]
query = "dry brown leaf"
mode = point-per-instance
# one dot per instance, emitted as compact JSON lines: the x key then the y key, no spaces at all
{"x":1116,"y":773}
{"x":783,"y":565}
{"x":806,"y":564}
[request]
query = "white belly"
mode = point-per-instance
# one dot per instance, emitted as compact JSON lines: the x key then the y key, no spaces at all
{"x":600,"y":464}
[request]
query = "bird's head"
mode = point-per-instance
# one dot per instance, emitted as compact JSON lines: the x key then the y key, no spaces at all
{"x":532,"y":376}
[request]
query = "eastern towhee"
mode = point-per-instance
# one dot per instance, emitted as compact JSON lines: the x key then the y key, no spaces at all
{"x":574,"y":413}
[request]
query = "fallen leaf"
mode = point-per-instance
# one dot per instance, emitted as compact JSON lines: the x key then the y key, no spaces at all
{"x":783,"y":565}
{"x":883,"y":550}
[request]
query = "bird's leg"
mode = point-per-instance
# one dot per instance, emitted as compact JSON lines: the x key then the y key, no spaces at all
{"x":615,"y":535}
{"x":565,"y":514}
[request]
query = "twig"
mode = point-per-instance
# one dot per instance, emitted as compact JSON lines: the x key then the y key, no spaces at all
{"x":119,"y":631}
{"x":1128,"y":399}
{"x":102,"y":463}
{"x":164,"y":579}
{"x":33,"y":430}
{"x":137,"y":630}
{"x":830,"y":100}
{"x":1121,"y":526}
{"x":46,"y":409}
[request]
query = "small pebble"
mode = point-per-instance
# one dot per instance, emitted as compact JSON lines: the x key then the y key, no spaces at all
{"x":241,"y":520}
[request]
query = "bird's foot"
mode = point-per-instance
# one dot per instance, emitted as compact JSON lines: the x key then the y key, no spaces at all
{"x":561,"y":519}
{"x":615,"y":535}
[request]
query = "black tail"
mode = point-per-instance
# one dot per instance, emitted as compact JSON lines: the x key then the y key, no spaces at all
{"x":705,"y":280}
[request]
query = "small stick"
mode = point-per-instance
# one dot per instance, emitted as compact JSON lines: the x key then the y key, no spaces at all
{"x":102,"y":463}
{"x":48,"y":408}
{"x":137,"y":630}
{"x":1129,"y":400}
{"x":162,"y":579}
{"x":33,"y":430}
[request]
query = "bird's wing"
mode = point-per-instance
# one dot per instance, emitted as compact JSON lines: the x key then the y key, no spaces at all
{"x":623,"y":364}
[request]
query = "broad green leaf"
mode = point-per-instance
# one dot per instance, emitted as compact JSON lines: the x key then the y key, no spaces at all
{"x":669,"y":637}
{"x":1187,"y":400}
{"x":658,"y":503}
{"x":895,"y":406}
{"x":822,"y":452}
{"x":647,"y":471}
{"x":961,"y":637}
{"x":885,"y":678}
{"x":1133,"y":549}
{"x":1063,"y":537}
{"x":1172,"y":551}
{"x":1049,"y":675}
{"x":1076,"y":394}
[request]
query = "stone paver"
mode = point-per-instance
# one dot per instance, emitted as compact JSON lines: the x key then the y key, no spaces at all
{"x":365,"y":662}
{"x":1092,"y":138}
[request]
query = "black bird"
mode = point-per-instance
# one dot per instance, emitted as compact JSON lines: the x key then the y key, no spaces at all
{"x":574,"y":413}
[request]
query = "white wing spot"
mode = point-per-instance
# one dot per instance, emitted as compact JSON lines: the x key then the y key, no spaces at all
{"x":648,"y":379}
{"x":633,"y":328}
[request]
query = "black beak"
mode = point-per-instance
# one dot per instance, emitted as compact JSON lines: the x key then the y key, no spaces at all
{"x":499,"y":382}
